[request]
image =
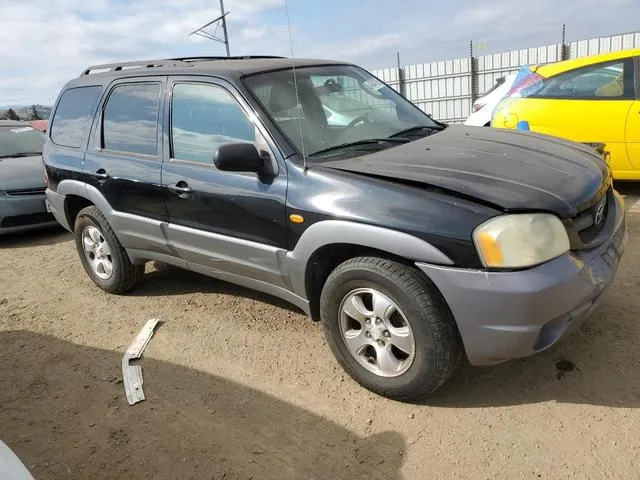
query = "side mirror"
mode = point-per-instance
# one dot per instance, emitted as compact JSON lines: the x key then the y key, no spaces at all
{"x":238,"y":157}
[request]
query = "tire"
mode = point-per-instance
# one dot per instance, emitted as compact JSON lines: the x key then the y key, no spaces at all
{"x":91,"y":225}
{"x":437,"y":347}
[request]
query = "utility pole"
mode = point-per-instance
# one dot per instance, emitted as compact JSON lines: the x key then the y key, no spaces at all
{"x":218,"y":21}
{"x":224,"y":27}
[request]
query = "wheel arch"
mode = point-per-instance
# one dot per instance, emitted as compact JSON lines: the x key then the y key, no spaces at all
{"x":317,"y":254}
{"x":326,"y":258}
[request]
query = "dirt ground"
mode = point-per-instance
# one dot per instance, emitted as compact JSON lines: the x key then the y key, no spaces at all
{"x":241,"y":385}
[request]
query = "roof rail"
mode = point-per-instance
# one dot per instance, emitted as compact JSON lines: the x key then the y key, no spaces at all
{"x":167,"y":62}
{"x":237,"y":57}
{"x":116,"y":67}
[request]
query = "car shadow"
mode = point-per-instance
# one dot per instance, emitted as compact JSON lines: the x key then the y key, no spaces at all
{"x":631,"y":189}
{"x":63,"y":411}
{"x":165,"y":280}
{"x":35,"y":238}
{"x":599,"y":365}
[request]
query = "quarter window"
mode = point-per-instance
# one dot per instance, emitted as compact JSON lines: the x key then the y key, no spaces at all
{"x":72,"y":118}
{"x":204,"y":117}
{"x":130,"y":121}
{"x":602,"y":81}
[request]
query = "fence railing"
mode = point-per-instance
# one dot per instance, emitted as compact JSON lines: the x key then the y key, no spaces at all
{"x":447,"y":89}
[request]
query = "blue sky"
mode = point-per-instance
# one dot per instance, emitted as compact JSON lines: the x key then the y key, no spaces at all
{"x":44,"y":43}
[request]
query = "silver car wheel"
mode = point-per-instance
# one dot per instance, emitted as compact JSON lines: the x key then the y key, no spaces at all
{"x":376,"y":332}
{"x":98,"y":252}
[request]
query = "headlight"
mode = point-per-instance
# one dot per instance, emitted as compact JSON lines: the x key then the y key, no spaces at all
{"x":520,"y":240}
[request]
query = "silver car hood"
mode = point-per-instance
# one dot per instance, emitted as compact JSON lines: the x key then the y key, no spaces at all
{"x":21,"y":173}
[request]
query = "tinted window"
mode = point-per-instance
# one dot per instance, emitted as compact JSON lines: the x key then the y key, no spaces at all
{"x":130,"y":121}
{"x":203,"y":117}
{"x":72,"y":119}
{"x":611,"y":80}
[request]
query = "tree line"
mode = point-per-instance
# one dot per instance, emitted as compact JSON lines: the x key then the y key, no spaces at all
{"x":31,"y":113}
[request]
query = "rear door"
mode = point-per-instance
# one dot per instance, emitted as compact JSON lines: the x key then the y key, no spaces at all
{"x":124,"y":160}
{"x":633,"y":128}
{"x":587,"y":105}
{"x":232,"y":222}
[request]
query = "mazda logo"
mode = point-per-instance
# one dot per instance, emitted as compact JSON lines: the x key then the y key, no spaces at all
{"x":599,"y":215}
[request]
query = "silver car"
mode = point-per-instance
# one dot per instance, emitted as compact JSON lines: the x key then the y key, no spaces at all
{"x":22,"y":181}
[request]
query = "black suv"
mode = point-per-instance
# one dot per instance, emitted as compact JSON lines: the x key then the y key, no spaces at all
{"x":314,"y":181}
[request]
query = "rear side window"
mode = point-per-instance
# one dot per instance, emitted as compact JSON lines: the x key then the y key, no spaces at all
{"x":613,"y":80}
{"x":130,"y":119}
{"x":72,"y":119}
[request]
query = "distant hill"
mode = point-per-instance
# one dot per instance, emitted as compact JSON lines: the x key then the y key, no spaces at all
{"x":24,"y":111}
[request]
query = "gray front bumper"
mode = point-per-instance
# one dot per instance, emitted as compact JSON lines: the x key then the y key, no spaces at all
{"x":504,"y":315}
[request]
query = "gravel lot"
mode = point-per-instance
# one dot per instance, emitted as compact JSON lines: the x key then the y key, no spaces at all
{"x":241,"y":385}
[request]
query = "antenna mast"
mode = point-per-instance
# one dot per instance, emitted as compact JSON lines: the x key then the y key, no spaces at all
{"x":295,"y":85}
{"x":219,"y":21}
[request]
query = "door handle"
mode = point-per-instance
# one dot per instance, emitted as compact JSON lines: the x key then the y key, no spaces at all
{"x":181,"y":189}
{"x":102,"y":175}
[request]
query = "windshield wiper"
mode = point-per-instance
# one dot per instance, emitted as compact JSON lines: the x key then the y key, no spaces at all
{"x":368,"y":141}
{"x":21,"y":154}
{"x":417,"y":129}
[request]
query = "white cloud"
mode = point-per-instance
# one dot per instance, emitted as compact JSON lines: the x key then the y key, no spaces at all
{"x":44,"y":43}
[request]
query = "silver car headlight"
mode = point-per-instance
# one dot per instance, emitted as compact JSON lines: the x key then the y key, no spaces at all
{"x":520,"y":240}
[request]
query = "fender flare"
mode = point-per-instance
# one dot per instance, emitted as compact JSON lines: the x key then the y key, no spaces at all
{"x":328,"y":232}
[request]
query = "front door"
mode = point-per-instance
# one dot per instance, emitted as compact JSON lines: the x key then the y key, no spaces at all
{"x":226,"y":221}
{"x":633,"y":128}
{"x":633,"y":138}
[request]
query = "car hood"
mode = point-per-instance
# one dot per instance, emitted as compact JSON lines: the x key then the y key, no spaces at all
{"x":21,"y":173}
{"x":509,"y":169}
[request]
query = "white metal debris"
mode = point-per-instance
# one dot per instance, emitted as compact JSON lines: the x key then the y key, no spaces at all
{"x":132,"y":374}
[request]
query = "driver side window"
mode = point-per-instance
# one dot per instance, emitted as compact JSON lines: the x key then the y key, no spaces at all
{"x":613,"y":80}
{"x":204,"y":117}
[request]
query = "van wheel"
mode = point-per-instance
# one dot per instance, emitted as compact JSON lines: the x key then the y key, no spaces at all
{"x":102,"y":255}
{"x":389,"y":328}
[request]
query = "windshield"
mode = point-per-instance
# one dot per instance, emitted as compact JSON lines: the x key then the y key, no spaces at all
{"x":20,"y":141}
{"x":335,"y":105}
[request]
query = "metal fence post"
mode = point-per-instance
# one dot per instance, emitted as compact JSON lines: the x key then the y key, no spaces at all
{"x":473,"y":69}
{"x":565,"y":50}
{"x":401,"y":79}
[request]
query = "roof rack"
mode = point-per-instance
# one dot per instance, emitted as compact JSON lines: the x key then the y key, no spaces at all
{"x":168,"y":62}
{"x":116,"y":67}
{"x":237,"y":57}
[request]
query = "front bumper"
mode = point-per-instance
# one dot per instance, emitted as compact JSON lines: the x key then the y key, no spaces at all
{"x":504,"y":315}
{"x":21,"y":213}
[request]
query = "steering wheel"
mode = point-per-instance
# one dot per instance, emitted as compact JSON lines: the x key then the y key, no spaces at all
{"x":357,"y":120}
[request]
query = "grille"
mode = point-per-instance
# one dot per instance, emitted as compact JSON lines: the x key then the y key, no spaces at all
{"x":29,"y":219}
{"x":585,"y":228}
{"x":26,"y":191}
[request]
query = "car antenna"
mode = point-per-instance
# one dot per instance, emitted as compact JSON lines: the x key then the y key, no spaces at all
{"x":295,"y":85}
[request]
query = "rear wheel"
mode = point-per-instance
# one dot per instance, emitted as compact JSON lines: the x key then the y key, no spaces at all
{"x":389,"y":328}
{"x":102,"y":256}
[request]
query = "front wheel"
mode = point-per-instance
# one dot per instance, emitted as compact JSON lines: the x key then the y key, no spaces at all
{"x":389,"y":328}
{"x":102,"y":256}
